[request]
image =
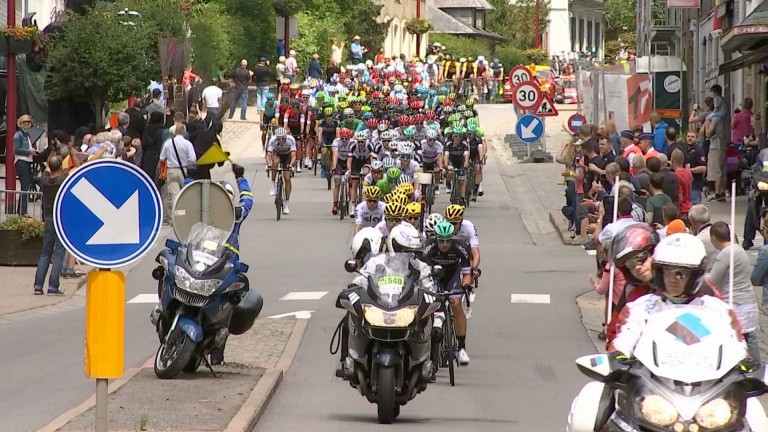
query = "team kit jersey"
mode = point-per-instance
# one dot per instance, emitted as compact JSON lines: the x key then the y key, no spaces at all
{"x":367,"y":217}
{"x":468,"y":233}
{"x":456,"y":153}
{"x":281,"y":148}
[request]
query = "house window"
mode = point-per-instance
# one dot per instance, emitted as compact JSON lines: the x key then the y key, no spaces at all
{"x":480,"y":19}
{"x":574,"y":42}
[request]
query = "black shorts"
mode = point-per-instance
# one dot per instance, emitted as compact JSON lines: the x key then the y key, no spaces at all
{"x":474,"y":156}
{"x":429,"y":166}
{"x":268,"y":119}
{"x":456,"y":162}
{"x":285,"y":159}
{"x":450,"y":282}
{"x":357,"y":165}
{"x":295,"y":130}
{"x":341,"y":167}
{"x":328,"y":137}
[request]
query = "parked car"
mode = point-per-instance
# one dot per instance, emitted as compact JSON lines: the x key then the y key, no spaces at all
{"x":565,"y":90}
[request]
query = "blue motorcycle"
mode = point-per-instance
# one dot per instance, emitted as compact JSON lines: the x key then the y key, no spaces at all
{"x":204,"y":297}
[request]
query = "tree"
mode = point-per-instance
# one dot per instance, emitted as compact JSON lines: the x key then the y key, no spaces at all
{"x":317,"y":29}
{"x":360,"y":18}
{"x":211,"y":38}
{"x":619,"y":18}
{"x":516,"y":20}
{"x":252,"y":29}
{"x":98,"y":59}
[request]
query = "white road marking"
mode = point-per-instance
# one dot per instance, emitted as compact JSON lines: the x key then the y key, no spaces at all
{"x":144,"y":298}
{"x":530,"y":298}
{"x":592,"y":252}
{"x":304,"y":295}
{"x":298,"y":315}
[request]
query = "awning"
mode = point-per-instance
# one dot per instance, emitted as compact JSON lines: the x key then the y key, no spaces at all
{"x":750,"y":34}
{"x":748,"y":59}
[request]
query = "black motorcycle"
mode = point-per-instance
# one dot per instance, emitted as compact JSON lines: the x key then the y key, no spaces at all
{"x":390,"y":323}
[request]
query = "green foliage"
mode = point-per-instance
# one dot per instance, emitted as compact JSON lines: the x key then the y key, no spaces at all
{"x":360,"y":18}
{"x":252,"y":29}
{"x":619,"y":18}
{"x":317,"y":29}
{"x":516,"y":22}
{"x":211,"y":39}
{"x":29,"y":227}
{"x":98,"y":59}
{"x":536,"y":56}
{"x":510,"y":56}
{"x":460,"y":46}
{"x":417,"y":26}
{"x":613,"y":47}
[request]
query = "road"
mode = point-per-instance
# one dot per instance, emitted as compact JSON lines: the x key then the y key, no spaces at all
{"x":521,"y":377}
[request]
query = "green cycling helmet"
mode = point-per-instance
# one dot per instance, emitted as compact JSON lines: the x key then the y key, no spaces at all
{"x":447,"y":130}
{"x":456,"y":124}
{"x":472,"y":128}
{"x":459,"y":130}
{"x":410,"y":132}
{"x":320,"y":94}
{"x":365,"y":108}
{"x":434,"y":127}
{"x":480,"y":133}
{"x":444,"y":229}
{"x":393,"y":173}
{"x":468,"y":114}
{"x":472,"y":121}
{"x":341,"y":97}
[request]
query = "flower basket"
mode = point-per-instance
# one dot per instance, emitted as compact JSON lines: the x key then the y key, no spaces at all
{"x":19,"y":39}
{"x":17,"y":252}
{"x":417,"y":26}
{"x":19,"y":46}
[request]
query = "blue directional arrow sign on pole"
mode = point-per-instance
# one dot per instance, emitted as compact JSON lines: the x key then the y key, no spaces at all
{"x":529,"y":128}
{"x":108,"y":213}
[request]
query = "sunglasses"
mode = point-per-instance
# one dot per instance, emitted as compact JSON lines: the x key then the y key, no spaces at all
{"x":405,"y":156}
{"x":444,"y":241}
{"x":677,"y":273}
{"x":372,"y":201}
{"x":392,"y":219}
{"x":638,"y":260}
{"x":413,"y":218}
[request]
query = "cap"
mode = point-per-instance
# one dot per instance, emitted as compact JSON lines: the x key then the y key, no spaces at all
{"x":645,"y":136}
{"x":262,"y":59}
{"x":293,"y":52}
{"x":356,"y":37}
{"x":677,"y":226}
{"x":627,"y":134}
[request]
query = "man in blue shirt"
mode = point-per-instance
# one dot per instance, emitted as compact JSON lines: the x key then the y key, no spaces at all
{"x":315,"y":70}
{"x":659,"y":127}
{"x":357,"y":50}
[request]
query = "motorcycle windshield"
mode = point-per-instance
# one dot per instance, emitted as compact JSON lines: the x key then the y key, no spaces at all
{"x":206,"y":249}
{"x":389,"y":277}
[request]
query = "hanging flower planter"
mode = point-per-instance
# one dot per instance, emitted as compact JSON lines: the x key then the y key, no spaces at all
{"x":417,"y":26}
{"x":20,"y":40}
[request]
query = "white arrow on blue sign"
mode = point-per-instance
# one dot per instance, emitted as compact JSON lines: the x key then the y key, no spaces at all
{"x":529,"y":128}
{"x":108,"y":213}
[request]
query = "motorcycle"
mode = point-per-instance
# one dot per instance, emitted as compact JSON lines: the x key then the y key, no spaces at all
{"x":687,"y":374}
{"x":204,"y":297}
{"x":390,"y":324}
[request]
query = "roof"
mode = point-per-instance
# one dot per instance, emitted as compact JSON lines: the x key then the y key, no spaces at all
{"x":445,"y":23}
{"x":463,"y":4}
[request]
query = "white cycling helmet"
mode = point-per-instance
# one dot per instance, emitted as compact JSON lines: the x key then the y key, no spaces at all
{"x":481,"y":58}
{"x":386,"y":135}
{"x":406,"y":147}
{"x":348,"y":112}
{"x":403,"y":238}
{"x":430,"y":222}
{"x":377,"y":165}
{"x":280,"y":132}
{"x":431,"y":134}
{"x":395,"y":134}
{"x":382,"y":127}
{"x":306,"y":92}
{"x":366,"y":242}
{"x":361,"y":135}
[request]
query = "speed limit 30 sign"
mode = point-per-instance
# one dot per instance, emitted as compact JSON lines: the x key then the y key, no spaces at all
{"x":519,"y":74}
{"x":526,"y":96}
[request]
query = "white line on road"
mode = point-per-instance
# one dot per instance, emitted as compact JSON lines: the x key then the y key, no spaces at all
{"x":530,"y":298}
{"x":298,"y":315}
{"x":304,"y":295}
{"x":144,"y":298}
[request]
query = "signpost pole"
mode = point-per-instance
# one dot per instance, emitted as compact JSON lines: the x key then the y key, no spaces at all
{"x":101,"y":405}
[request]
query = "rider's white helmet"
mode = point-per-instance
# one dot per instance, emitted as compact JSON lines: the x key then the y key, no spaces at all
{"x":280,"y":132}
{"x":367,"y":241}
{"x":430,"y":221}
{"x":406,"y":147}
{"x":361,"y":135}
{"x":386,"y":135}
{"x":403,"y":238}
{"x":377,"y":165}
{"x":681,"y":250}
{"x":431,"y":134}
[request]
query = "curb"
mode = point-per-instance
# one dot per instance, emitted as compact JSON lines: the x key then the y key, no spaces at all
{"x":561,"y":226}
{"x":249,"y":414}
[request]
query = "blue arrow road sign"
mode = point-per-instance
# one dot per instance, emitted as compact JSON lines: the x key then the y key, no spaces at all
{"x":529,"y":128}
{"x":108,"y":213}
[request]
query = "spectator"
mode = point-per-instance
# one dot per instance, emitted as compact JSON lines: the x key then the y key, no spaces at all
{"x":628,"y":147}
{"x":713,"y":130}
{"x":315,"y":70}
{"x":606,"y":149}
{"x":24,"y":152}
{"x":242,"y":79}
{"x":123,"y":120}
{"x":291,"y":66}
{"x":50,"y":183}
{"x":741,"y":125}
{"x":672,"y":142}
{"x":194,"y":95}
{"x":356,"y":51}
{"x":380,"y":56}
{"x":759,"y":275}
{"x":136,"y":120}
{"x":180,"y":156}
{"x":642,"y":175}
{"x":157,"y":104}
{"x":657,"y":201}
{"x":744,"y":301}
{"x":659,"y":128}
{"x":624,"y":213}
{"x":178,"y":118}
{"x":699,"y":114}
{"x":698,"y":216}
{"x":157,"y":85}
{"x":336,"y":51}
{"x":332,"y":69}
{"x":280,"y":69}
{"x":696,"y":160}
{"x":262,"y":75}
{"x":608,"y":129}
{"x":212,"y":100}
{"x":685,"y":182}
{"x":671,"y":184}
{"x":151,"y":143}
{"x":669,"y":213}
{"x":646,"y":145}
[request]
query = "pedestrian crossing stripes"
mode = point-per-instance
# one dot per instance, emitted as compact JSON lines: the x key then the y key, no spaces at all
{"x":530,"y":298}
{"x":144,"y":299}
{"x":304,"y":295}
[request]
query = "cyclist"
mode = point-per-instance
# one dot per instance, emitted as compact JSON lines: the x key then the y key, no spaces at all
{"x":413,"y":214}
{"x":293,"y":121}
{"x":432,"y":157}
{"x":376,"y":174}
{"x":430,"y":222}
{"x":481,"y":75}
{"x":281,"y":151}
{"x":453,"y":254}
{"x":476,"y":157}
{"x":308,"y":133}
{"x":327,"y":123}
{"x":348,"y":120}
{"x":340,"y":148}
{"x":457,"y":155}
{"x":358,"y":158}
{"x":388,"y":183}
{"x":467,"y":231}
{"x":267,"y":117}
{"x":407,"y":165}
{"x":394,"y":213}
{"x":496,"y":75}
{"x":370,"y":212}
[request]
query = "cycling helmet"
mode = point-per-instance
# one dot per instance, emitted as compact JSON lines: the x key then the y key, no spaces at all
{"x":395,"y":134}
{"x":405,"y":147}
{"x":361,"y":135}
{"x":472,"y":128}
{"x":684,"y":252}
{"x":404,"y":120}
{"x":394,"y":209}
{"x":441,"y":98}
{"x":373,"y":192}
{"x":377,"y":166}
{"x":281,"y":132}
{"x":399,"y":197}
{"x":306,"y":93}
{"x":394,"y":173}
{"x":403,"y":238}
{"x":443,"y":90}
{"x":385,"y":135}
{"x":270,"y":96}
{"x":431,"y":134}
{"x":454,"y":213}
{"x":452,"y":96}
{"x":413,"y":210}
{"x":320,"y":94}
{"x":385,"y":122}
{"x":444,"y":229}
{"x":389,"y":163}
{"x":447,"y":131}
{"x":349,"y":112}
{"x":459,"y":130}
{"x":461,"y":107}
{"x":328,"y":111}
{"x":431,"y":221}
{"x":470,"y":102}
{"x":430,"y":115}
{"x":632,"y":240}
{"x":365,"y":109}
{"x":472,"y":121}
{"x":343,"y":105}
{"x":405,"y":179}
{"x":367,"y":241}
{"x":345,"y":133}
{"x":372,"y":123}
{"x":381,"y":127}
{"x":419,"y":118}
{"x":435,"y":127}
{"x":405,"y":188}
{"x":409,"y":132}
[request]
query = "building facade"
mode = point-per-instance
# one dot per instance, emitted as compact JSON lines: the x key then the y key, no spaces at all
{"x":575,"y":26}
{"x":398,"y":40}
{"x":463,"y":18}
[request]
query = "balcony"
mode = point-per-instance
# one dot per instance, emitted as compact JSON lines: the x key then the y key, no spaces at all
{"x":667,"y":19}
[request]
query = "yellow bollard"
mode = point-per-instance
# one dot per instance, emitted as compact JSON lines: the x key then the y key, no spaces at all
{"x":105,"y":324}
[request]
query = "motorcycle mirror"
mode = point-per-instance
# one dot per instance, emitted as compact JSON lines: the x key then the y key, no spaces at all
{"x":438,"y":271}
{"x":350,"y":266}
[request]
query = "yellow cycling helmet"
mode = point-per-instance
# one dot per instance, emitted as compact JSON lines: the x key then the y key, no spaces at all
{"x":400,"y":198}
{"x":441,"y":98}
{"x":406,"y":188}
{"x":454,"y":213}
{"x":452,"y":96}
{"x":413,"y":209}
{"x":394,"y":210}
{"x":470,"y":102}
{"x":372,"y":192}
{"x":328,"y":111}
{"x":342,"y":104}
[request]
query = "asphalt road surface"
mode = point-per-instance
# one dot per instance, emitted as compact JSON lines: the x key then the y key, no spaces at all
{"x":522,"y":376}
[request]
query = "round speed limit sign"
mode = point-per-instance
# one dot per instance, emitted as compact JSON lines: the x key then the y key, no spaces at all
{"x":520,"y":74}
{"x":526,"y":96}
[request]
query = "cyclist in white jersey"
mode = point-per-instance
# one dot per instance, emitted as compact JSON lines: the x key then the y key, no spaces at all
{"x":340,"y":148}
{"x":371,"y":211}
{"x":359,"y":159}
{"x":432,"y":157}
{"x":281,"y":150}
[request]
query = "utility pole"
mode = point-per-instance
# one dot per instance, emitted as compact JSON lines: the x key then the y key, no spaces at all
{"x":537,"y":41}
{"x":10,"y":119}
{"x":418,"y":36}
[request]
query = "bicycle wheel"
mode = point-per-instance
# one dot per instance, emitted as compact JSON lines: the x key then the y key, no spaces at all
{"x":279,"y":195}
{"x":449,"y":344}
{"x":469,"y":186}
{"x":314,"y":159}
{"x":342,"y":199}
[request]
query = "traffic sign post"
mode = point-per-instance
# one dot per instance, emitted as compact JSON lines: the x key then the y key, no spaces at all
{"x":520,"y":74}
{"x":575,"y":122}
{"x":108,"y":214}
{"x":526,"y":96}
{"x":546,"y":107}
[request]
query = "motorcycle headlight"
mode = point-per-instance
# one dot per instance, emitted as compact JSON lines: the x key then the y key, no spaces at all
{"x":715,"y":414}
{"x":381,"y":318}
{"x":186,"y":282}
{"x":658,"y":410}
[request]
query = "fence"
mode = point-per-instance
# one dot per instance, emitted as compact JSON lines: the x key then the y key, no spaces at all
{"x":10,"y":202}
